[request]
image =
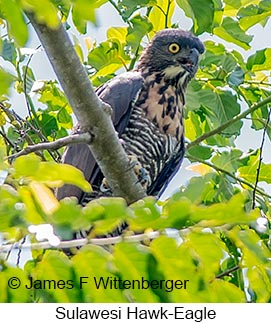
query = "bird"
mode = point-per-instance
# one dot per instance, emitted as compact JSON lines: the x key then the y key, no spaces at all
{"x":148,"y":115}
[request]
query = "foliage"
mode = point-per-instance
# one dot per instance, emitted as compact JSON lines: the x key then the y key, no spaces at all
{"x":211,"y":232}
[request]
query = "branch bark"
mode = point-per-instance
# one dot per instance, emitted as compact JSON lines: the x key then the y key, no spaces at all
{"x":92,"y":114}
{"x":82,"y":138}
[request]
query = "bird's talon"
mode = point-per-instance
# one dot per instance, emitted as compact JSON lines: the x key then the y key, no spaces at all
{"x":141,"y":173}
{"x":104,"y":187}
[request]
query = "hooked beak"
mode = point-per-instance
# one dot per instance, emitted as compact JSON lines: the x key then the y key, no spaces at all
{"x":190,"y":62}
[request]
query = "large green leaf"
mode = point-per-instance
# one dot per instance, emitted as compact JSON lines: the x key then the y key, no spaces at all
{"x":130,"y":261}
{"x":8,"y":51}
{"x":138,"y":29}
{"x":260,"y":61}
{"x":108,"y":57}
{"x":14,"y":277}
{"x":93,"y":263}
{"x":249,"y":172}
{"x":218,"y":107}
{"x":231,"y":31}
{"x":229,"y":161}
{"x":50,"y":173}
{"x":161,"y":15}
{"x":11,"y":9}
{"x":252,"y":14}
{"x":54,"y":279}
{"x":201,"y":12}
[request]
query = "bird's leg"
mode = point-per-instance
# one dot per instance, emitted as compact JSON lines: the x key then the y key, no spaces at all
{"x":141,"y":173}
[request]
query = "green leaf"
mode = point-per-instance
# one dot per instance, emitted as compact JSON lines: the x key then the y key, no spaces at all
{"x":202,"y":14}
{"x":260,"y":61}
{"x":170,"y":263}
{"x":145,"y":215}
{"x":161,"y":15}
{"x":50,"y":173}
{"x":236,"y":77}
{"x":29,"y":78}
{"x":64,"y":117}
{"x":109,"y":214}
{"x":48,"y":123}
{"x":10,"y":216}
{"x":224,"y":292}
{"x":228,"y":160}
{"x":128,"y":7}
{"x":231,"y":31}
{"x":92,"y":291}
{"x":84,"y":11}
{"x":130,"y":260}
{"x":259,"y":283}
{"x":17,"y":277}
{"x":6,"y":80}
{"x":56,"y":269}
{"x":9,"y":51}
{"x":44,"y":11}
{"x":249,"y":172}
{"x":137,"y":30}
{"x":201,"y":152}
{"x":231,"y":212}
{"x":107,"y":57}
{"x":69,"y":218}
{"x":219,"y":107}
{"x":200,"y":244}
{"x":11,"y":9}
{"x":252,"y":14}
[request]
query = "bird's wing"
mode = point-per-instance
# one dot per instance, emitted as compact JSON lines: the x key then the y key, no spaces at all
{"x":119,"y":93}
{"x":168,"y":171}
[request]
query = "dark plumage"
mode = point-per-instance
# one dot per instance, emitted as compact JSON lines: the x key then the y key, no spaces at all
{"x":147,"y":108}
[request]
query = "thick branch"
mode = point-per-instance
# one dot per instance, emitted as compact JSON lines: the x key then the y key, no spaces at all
{"x":92,"y":114}
{"x":82,"y":138}
{"x":229,"y":123}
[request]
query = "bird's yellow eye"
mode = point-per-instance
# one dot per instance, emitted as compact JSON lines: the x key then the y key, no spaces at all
{"x":174,"y":48}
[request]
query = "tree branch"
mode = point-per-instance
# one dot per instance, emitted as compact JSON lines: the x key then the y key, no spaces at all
{"x":229,"y":123}
{"x":92,"y":114}
{"x":83,"y":138}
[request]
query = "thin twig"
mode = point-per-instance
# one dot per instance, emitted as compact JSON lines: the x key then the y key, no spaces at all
{"x":260,"y":161}
{"x":59,"y":143}
{"x":228,"y":272}
{"x":80,"y":242}
{"x":229,"y":122}
{"x":7,"y":139}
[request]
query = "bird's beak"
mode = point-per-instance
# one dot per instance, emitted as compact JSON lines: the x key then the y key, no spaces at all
{"x":190,"y":61}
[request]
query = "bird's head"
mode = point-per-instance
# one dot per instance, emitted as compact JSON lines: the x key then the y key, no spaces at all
{"x":173,"y":52}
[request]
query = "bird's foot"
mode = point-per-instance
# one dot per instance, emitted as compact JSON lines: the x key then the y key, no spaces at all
{"x":141,"y":173}
{"x":104,"y":187}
